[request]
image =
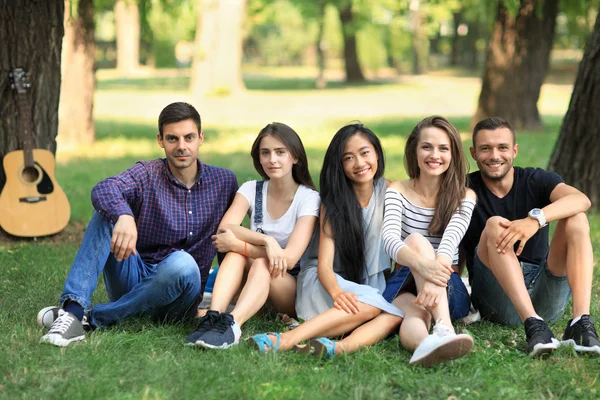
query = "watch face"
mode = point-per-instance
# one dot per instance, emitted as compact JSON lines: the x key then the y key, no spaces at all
{"x":535,"y":212}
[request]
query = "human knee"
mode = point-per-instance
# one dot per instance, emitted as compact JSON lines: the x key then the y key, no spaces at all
{"x":576,"y":225}
{"x":178,"y":265}
{"x":492,"y":230}
{"x":419,"y":244}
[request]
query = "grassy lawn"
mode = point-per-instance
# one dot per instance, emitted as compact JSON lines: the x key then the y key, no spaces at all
{"x":139,"y":359}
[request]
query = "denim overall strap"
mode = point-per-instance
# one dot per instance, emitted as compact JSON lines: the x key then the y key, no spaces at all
{"x":258,"y":210}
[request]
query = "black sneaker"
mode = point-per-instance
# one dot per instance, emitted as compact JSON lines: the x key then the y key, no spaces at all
{"x":582,"y":335}
{"x":540,"y":339}
{"x":224,"y":334}
{"x":207,"y":321}
{"x":47,"y":315}
{"x":65,"y":330}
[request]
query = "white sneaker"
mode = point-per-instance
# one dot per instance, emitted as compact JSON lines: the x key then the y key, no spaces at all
{"x":442,"y":345}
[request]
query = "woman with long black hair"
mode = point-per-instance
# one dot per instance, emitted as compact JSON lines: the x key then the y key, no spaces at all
{"x":342,"y":272}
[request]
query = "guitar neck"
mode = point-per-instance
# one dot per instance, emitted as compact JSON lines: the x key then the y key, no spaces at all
{"x":25,"y":134}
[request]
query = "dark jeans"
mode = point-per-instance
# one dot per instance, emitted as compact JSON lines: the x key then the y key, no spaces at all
{"x":458,"y":297}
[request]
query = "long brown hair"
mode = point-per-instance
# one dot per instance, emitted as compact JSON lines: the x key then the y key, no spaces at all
{"x":454,"y":180}
{"x":292,"y":141}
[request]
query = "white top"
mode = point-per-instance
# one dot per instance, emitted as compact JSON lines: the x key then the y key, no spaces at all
{"x":306,"y":202}
{"x":401,"y":218}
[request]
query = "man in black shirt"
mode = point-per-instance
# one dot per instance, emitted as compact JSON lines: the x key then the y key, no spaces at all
{"x":517,"y":278}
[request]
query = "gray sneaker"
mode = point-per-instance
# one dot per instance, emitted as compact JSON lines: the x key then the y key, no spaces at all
{"x":65,"y":330}
{"x":47,"y":315}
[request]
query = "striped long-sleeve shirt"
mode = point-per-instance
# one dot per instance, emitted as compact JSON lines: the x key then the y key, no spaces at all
{"x":401,"y":218}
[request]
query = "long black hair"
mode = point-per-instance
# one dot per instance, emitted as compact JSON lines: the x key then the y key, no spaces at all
{"x":293,"y":143}
{"x":341,"y":206}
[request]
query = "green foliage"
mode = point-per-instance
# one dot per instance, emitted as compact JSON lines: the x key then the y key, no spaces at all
{"x":273,"y":37}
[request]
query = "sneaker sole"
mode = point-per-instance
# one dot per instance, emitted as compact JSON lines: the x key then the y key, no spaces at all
{"x":224,"y":346}
{"x":59,"y":341}
{"x":542,"y":349}
{"x":46,"y":316}
{"x":456,"y":348}
{"x":579,"y":348}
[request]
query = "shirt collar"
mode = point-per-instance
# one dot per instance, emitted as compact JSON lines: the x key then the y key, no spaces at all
{"x":175,"y":181}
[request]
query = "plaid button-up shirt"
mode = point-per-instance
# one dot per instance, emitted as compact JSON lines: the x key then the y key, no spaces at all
{"x":169,"y":216}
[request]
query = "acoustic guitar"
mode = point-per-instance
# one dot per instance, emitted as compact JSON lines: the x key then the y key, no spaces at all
{"x":32,"y":203}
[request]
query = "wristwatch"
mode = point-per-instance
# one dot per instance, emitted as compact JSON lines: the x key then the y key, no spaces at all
{"x":539,"y":216}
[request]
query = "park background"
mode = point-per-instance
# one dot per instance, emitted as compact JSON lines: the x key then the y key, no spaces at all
{"x":101,"y":71}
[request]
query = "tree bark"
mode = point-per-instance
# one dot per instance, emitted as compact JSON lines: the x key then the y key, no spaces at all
{"x":75,"y":111}
{"x":456,"y":39}
{"x":579,"y":140}
{"x":30,"y":38}
{"x":217,"y":63}
{"x":127,"y":18}
{"x":351,"y":63}
{"x":517,"y":62}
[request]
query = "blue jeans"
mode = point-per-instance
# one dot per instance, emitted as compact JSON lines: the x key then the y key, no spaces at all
{"x":549,"y":293}
{"x":165,"y":291}
{"x":459,"y":302}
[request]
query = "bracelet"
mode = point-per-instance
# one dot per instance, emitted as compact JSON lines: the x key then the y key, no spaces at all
{"x":245,"y":249}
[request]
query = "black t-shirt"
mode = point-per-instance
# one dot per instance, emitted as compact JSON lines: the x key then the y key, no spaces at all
{"x":531,"y":189}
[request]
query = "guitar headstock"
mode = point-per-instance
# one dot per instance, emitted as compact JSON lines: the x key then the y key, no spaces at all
{"x":19,"y":80}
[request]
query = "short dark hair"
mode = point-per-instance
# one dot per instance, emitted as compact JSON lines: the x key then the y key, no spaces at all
{"x":176,"y":112}
{"x":493,"y":123}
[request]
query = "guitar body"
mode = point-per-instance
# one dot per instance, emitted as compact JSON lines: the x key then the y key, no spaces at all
{"x":32,"y":203}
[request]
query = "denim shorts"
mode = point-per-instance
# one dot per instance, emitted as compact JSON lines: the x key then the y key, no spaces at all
{"x":549,"y":293}
{"x":401,"y":280}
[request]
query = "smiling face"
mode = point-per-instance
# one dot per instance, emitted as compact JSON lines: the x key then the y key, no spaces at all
{"x":359,"y":159}
{"x":494,"y":151}
{"x":181,"y":140}
{"x":434,"y":153}
{"x":275,"y":158}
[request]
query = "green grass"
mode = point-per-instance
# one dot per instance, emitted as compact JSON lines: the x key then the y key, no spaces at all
{"x":142,"y":360}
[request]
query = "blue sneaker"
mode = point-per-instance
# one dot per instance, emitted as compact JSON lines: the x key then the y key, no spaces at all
{"x":224,"y":334}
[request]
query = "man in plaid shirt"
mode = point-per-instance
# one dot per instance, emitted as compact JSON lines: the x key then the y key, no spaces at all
{"x":150,"y":236}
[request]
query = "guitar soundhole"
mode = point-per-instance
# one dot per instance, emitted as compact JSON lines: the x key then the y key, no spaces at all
{"x":30,"y":174}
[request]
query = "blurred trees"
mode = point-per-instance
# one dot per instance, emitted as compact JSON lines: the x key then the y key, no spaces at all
{"x":127,"y":18}
{"x":76,"y":125}
{"x":218,"y":51}
{"x":574,"y":154}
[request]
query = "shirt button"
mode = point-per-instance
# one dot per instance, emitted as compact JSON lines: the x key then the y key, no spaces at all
{"x":189,"y":191}
{"x":189,"y":212}
{"x":190,"y":233}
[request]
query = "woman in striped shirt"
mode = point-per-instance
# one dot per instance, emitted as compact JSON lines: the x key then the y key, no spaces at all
{"x":425,"y":219}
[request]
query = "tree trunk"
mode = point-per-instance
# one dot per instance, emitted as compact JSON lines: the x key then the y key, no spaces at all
{"x":517,"y":61}
{"x":579,"y":141}
{"x":352,"y":66}
{"x":419,"y":38}
{"x":320,"y":47}
{"x":75,"y":112}
{"x":456,"y":39}
{"x":217,"y":64}
{"x":30,"y":38}
{"x":127,"y":18}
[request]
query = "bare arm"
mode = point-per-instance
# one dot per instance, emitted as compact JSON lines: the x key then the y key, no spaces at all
{"x":566,"y":201}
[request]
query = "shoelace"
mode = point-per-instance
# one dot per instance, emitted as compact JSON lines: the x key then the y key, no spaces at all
{"x":208,"y":321}
{"x":223,"y":323}
{"x":587,"y":326}
{"x":62,"y":323}
{"x":535,"y":327}
{"x":442,"y":330}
